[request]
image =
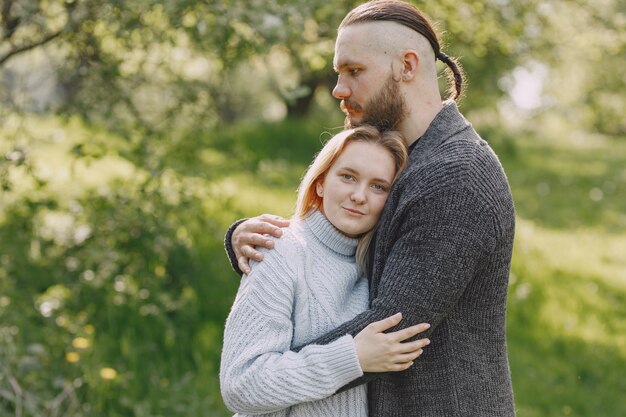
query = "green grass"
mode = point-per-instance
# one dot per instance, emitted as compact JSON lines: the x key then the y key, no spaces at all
{"x":566,"y":327}
{"x":567,"y":303}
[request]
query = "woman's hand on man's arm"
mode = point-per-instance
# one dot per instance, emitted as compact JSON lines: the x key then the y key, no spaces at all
{"x":389,"y":352}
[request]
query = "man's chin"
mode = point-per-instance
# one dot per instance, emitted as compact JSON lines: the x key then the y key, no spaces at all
{"x":352,"y":122}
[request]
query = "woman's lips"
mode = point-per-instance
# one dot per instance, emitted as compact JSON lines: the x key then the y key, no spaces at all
{"x":354,"y":211}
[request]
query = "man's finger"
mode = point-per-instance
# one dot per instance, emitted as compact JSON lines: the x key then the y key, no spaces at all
{"x":264,"y":228}
{"x":275,"y":220}
{"x":242,"y":262}
{"x":251,"y":253}
{"x":259,"y":240}
{"x":238,"y":253}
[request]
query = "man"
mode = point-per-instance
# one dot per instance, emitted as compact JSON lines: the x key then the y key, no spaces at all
{"x":443,"y":246}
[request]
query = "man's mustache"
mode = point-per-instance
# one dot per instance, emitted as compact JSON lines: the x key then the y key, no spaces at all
{"x":350,"y":106}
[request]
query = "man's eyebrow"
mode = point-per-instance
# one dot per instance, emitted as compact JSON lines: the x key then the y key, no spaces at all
{"x":343,"y":64}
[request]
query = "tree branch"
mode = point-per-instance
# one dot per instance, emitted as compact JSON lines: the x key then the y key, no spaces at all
{"x":27,"y":47}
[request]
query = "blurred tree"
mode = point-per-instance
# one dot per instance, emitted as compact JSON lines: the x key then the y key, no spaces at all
{"x":29,"y":24}
{"x":178,"y":64}
{"x":583,"y":45}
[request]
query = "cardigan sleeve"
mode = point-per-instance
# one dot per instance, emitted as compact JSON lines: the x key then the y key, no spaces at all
{"x":259,"y":374}
{"x":228,"y":246}
{"x":439,"y":245}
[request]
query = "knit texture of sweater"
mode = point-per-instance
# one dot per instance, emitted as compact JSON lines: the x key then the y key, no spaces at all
{"x":306,"y":286}
{"x":442,"y":255}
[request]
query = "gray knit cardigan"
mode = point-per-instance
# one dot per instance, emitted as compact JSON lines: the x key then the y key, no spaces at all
{"x":442,"y":256}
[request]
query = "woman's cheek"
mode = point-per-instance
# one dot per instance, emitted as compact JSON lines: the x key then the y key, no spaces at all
{"x":380,"y":203}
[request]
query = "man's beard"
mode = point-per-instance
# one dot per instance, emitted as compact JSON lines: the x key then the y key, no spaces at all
{"x":384,"y":111}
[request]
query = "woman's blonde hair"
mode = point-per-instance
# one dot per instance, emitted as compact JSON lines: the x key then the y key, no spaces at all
{"x":308,"y":200}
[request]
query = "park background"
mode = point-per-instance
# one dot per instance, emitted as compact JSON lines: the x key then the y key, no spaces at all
{"x":132,"y":133}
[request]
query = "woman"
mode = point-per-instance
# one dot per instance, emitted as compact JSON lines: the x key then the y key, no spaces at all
{"x":312,"y":282}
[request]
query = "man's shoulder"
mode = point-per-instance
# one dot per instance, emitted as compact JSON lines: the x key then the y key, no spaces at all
{"x":462,"y":154}
{"x":465,"y":145}
{"x":464,"y":166}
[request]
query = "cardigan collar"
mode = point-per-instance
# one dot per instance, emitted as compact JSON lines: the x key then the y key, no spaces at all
{"x":330,"y":236}
{"x":446,"y":123}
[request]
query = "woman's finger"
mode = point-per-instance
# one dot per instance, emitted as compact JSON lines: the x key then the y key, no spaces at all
{"x":385,"y":324}
{"x":413,"y":346}
{"x":396,"y":367}
{"x":409,"y":332}
{"x":408,"y":357}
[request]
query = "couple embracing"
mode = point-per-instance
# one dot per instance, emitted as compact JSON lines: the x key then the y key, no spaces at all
{"x":385,"y":294}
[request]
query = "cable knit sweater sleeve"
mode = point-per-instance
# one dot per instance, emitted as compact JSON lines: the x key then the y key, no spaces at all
{"x":258,"y":372}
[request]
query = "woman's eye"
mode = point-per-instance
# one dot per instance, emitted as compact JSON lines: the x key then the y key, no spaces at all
{"x":379,"y":187}
{"x":347,"y":177}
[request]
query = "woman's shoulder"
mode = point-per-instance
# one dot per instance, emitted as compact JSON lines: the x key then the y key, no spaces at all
{"x":287,"y":252}
{"x":291,"y":243}
{"x":272,"y":282}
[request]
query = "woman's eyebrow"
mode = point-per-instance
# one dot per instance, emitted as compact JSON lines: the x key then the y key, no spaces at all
{"x":354,"y":171}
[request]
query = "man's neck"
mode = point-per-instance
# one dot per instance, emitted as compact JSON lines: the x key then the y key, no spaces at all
{"x":418,"y":120}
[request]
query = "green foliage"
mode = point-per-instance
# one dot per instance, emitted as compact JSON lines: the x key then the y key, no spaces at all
{"x":104,"y":280}
{"x":170,"y":65}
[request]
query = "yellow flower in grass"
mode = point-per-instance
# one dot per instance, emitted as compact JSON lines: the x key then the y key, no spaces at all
{"x":108,"y":373}
{"x":80,"y":343}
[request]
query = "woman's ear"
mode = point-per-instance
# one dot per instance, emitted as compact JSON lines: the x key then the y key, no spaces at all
{"x":319,"y":188}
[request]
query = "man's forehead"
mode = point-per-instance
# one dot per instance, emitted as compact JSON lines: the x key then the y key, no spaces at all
{"x":356,"y":35}
{"x":353,"y":46}
{"x":364,"y":41}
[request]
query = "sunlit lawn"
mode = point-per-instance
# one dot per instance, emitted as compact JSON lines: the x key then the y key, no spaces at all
{"x":567,"y":309}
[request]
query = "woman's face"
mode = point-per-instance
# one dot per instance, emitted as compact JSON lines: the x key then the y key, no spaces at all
{"x":356,"y":187}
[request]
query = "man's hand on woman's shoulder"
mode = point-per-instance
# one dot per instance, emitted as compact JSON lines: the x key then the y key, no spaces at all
{"x":251,"y":234}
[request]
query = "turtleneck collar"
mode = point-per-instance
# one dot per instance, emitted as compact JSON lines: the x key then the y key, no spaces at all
{"x":329,"y":235}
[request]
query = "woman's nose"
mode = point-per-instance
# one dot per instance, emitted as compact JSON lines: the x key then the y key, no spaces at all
{"x":358,"y":196}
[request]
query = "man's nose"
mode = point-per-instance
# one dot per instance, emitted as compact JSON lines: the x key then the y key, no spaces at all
{"x":341,"y":90}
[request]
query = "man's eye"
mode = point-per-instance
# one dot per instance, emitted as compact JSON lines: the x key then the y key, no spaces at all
{"x":354,"y":71}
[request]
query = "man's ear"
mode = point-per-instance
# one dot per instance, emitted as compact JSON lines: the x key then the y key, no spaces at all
{"x":410,"y":62}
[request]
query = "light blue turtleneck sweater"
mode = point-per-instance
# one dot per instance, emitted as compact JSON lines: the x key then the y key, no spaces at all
{"x":305,"y":287}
